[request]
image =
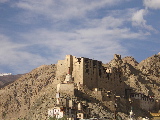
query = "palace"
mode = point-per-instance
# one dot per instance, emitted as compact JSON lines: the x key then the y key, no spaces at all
{"x":91,"y":73}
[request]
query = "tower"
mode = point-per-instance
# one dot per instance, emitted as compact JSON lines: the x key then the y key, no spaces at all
{"x":68,"y":78}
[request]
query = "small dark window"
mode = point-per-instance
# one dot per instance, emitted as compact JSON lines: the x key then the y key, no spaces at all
{"x":87,"y":70}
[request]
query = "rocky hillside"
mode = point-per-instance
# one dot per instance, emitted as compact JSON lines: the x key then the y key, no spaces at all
{"x":5,"y":80}
{"x":143,"y":77}
{"x":150,"y":66}
{"x":30,"y":96}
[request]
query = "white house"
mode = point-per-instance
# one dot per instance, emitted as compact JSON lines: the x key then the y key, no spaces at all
{"x":56,"y":111}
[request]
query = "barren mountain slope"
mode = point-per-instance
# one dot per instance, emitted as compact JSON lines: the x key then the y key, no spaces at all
{"x":150,"y":66}
{"x":28,"y":93}
{"x":5,"y":80}
{"x":143,"y":77}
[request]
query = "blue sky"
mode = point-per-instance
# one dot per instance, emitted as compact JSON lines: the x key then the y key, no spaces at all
{"x":37,"y":32}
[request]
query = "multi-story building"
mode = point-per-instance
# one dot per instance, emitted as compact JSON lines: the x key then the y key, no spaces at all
{"x":91,"y":73}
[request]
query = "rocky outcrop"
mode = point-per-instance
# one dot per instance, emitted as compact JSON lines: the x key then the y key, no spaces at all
{"x":150,"y":66}
{"x":130,"y":60}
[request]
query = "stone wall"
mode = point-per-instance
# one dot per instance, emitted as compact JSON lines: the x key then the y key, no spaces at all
{"x":145,"y":102}
{"x":66,"y":88}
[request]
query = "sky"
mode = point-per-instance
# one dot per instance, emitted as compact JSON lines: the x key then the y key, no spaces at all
{"x":38,"y":32}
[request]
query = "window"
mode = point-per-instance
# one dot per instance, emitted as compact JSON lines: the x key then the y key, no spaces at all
{"x":87,"y":70}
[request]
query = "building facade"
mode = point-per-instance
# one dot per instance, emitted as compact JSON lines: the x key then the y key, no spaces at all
{"x":91,"y":73}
